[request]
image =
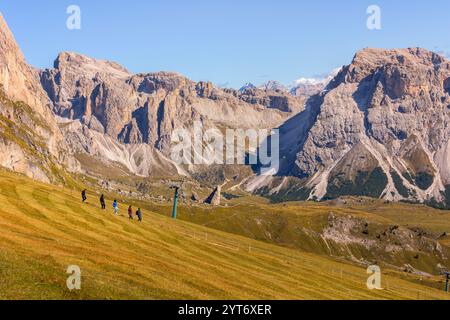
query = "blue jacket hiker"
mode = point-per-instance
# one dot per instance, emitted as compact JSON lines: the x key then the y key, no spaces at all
{"x":116,"y":207}
{"x":139,"y":214}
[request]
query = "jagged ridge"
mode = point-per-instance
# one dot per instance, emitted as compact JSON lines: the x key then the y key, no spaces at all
{"x":382,"y":119}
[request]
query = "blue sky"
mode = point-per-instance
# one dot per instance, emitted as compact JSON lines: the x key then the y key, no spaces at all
{"x":228,"y":42}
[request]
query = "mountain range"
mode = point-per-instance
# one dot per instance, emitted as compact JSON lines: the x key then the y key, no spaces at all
{"x":377,"y":128}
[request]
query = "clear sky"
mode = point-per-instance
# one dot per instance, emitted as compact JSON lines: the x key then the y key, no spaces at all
{"x":228,"y":42}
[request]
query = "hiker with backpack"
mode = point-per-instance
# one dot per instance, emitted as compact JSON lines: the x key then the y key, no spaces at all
{"x":102,"y":202}
{"x":130,"y":212}
{"x":139,"y":214}
{"x":116,"y":207}
{"x":83,"y":196}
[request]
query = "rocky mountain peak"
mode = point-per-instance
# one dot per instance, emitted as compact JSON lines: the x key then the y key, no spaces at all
{"x":377,"y":56}
{"x":19,"y":81}
{"x":379,"y":130}
{"x":7,"y":41}
{"x":28,"y":110}
{"x":90,"y":66}
{"x":247,"y":86}
{"x":400,"y":61}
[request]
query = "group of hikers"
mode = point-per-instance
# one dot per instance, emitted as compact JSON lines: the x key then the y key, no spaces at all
{"x":115,"y":206}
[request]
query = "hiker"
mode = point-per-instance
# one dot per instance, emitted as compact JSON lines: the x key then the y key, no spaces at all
{"x":83,"y":195}
{"x":116,"y":207}
{"x":102,"y":202}
{"x":130,"y":212}
{"x":139,"y":214}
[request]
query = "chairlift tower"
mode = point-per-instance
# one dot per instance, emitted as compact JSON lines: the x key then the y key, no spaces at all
{"x":447,"y":281}
{"x":175,"y":201}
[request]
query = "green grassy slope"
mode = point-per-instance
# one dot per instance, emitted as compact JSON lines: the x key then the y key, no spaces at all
{"x":44,"y":229}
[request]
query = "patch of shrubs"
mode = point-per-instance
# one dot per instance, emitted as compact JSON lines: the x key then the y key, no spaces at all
{"x":365,"y":184}
{"x":424,"y":180}
{"x":230,"y":196}
{"x":404,"y":192}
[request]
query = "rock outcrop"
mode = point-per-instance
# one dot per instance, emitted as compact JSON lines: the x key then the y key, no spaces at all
{"x":194,"y":196}
{"x":370,"y":242}
{"x":215,"y":197}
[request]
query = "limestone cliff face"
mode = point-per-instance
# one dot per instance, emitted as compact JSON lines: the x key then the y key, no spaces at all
{"x":89,"y":90}
{"x":29,"y":134}
{"x":146,"y":108}
{"x":381,"y":128}
{"x":19,"y":81}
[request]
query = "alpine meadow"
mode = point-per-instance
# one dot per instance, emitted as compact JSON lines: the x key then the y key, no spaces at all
{"x":122,"y":184}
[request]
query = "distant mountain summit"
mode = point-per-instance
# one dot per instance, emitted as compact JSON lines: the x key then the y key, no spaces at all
{"x":310,"y":86}
{"x":247,"y":86}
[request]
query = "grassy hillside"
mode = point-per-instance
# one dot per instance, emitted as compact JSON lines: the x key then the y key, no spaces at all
{"x":300,"y":225}
{"x":44,"y":229}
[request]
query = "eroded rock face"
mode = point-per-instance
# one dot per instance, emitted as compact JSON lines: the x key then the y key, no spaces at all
{"x":389,"y":106}
{"x":30,"y":138}
{"x":119,"y":112}
{"x":146,"y":108}
{"x":83,"y":88}
{"x":14,"y":158}
{"x":20,"y":82}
